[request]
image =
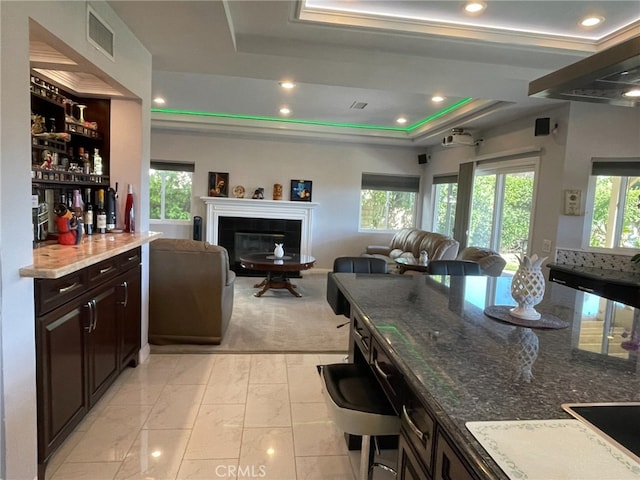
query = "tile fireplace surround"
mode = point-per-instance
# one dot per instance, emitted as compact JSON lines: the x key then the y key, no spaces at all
{"x":248,"y":208}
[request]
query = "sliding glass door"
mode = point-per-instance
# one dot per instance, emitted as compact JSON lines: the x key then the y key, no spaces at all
{"x":502,"y":208}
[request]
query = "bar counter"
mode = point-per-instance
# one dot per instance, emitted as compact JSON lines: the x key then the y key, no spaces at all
{"x":467,"y":366}
{"x":54,"y":260}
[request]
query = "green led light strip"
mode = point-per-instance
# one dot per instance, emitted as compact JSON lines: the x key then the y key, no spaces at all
{"x":314,"y":122}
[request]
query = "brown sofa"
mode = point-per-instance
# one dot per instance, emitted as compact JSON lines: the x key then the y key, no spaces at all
{"x":409,"y":242}
{"x":190,"y":292}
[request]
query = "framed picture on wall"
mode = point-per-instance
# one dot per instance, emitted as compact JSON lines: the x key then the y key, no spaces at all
{"x":218,"y":184}
{"x":301,"y":190}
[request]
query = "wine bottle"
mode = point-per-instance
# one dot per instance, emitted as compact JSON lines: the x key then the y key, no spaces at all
{"x":129,"y":212}
{"x":101,"y":216}
{"x":88,"y":213}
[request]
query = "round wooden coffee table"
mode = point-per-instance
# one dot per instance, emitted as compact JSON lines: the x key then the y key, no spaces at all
{"x":276,"y":269}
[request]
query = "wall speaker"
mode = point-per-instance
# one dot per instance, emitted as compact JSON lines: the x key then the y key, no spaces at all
{"x":423,"y":158}
{"x":543,"y":126}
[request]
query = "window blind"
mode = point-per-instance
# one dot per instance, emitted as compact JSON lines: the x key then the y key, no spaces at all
{"x":392,"y":183}
{"x":439,"y":180}
{"x":172,"y":166}
{"x":616,"y":168}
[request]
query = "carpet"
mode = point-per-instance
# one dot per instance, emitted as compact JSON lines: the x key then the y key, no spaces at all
{"x":278,"y":321}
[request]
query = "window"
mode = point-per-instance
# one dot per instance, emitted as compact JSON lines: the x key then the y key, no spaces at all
{"x":170,"y":190}
{"x":502,"y":208}
{"x":445,"y":193}
{"x":615,"y":196}
{"x":388,"y":202}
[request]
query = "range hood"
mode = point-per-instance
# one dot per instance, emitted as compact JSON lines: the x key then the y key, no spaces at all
{"x":601,"y":78}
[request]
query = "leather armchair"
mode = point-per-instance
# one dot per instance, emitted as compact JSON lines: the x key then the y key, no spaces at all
{"x":190,"y":292}
{"x":491,"y":263}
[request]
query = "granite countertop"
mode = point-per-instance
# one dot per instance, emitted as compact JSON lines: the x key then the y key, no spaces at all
{"x":55,"y":261}
{"x":468,"y":367}
{"x":609,"y":275}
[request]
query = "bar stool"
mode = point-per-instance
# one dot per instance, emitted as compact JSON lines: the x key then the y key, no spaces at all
{"x":359,"y":406}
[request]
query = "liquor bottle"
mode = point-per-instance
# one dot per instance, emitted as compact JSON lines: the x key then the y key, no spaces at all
{"x":97,"y":162}
{"x":129,"y":212}
{"x":88,"y":213}
{"x":101,"y":214}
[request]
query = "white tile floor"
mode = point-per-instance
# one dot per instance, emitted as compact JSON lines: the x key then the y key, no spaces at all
{"x":218,"y":416}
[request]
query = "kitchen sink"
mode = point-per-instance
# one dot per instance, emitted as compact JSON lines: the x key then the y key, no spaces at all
{"x":620,"y":422}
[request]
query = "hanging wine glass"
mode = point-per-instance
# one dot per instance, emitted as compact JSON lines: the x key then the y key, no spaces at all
{"x":81,"y":108}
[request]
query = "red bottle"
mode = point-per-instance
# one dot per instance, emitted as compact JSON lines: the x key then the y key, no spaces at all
{"x":129,"y":212}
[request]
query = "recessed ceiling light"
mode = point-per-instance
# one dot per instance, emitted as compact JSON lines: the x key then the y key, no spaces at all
{"x":632,"y":93}
{"x":401,"y":120}
{"x":285,"y":111}
{"x":591,"y":21}
{"x":437,"y":99}
{"x":475,"y":7}
{"x":287,"y":84}
{"x":159,"y":101}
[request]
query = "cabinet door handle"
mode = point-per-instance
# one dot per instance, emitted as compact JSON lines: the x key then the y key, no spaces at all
{"x":378,"y":368}
{"x":418,"y":433}
{"x":105,"y":270}
{"x":66,"y":289}
{"x":561,"y":282}
{"x":89,"y":305}
{"x":445,"y":471}
{"x":125,"y":285}
{"x":362,"y":338}
{"x":130,"y":259}
{"x":95,"y":314}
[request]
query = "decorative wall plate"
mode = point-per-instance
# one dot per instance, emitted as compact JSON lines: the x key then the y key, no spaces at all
{"x":238,"y":191}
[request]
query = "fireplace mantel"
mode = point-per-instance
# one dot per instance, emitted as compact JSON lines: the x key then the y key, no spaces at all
{"x":249,"y":208}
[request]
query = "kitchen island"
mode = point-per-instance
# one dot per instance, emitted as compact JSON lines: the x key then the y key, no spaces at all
{"x":444,"y":363}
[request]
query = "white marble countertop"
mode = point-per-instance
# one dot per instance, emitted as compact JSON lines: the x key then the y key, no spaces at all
{"x":55,"y":261}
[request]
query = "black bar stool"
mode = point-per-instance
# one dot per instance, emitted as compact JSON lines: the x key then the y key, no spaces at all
{"x":359,"y":406}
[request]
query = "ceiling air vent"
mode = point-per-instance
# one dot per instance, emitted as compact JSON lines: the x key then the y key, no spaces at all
{"x":99,"y":33}
{"x":358,"y":105}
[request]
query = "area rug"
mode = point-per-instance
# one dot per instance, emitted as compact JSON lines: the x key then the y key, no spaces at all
{"x":278,"y":321}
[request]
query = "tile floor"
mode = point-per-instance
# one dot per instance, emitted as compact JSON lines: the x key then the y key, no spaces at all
{"x":216,"y":416}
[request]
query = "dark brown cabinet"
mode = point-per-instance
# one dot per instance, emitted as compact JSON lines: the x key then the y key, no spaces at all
{"x":87,"y":332}
{"x":409,"y":467}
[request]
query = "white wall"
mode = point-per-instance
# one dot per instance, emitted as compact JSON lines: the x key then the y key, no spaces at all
{"x":594,"y":131}
{"x":334,"y":168}
{"x":132,"y":68}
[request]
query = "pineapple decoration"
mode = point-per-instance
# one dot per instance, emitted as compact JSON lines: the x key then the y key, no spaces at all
{"x":527,"y":287}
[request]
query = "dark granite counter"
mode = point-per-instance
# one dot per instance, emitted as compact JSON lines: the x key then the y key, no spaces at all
{"x":468,"y":367}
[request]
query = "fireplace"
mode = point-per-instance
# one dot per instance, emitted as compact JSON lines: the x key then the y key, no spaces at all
{"x":226,"y":216}
{"x":240,"y":235}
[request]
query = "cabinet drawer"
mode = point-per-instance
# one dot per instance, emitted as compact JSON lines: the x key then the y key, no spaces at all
{"x":448,"y":464}
{"x":361,"y":336}
{"x":409,"y":467}
{"x":51,"y":293}
{"x":389,"y":376}
{"x":128,"y":260}
{"x":101,"y":272}
{"x":419,"y":429}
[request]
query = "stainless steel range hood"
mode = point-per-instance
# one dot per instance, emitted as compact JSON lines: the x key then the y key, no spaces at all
{"x":602,"y":78}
